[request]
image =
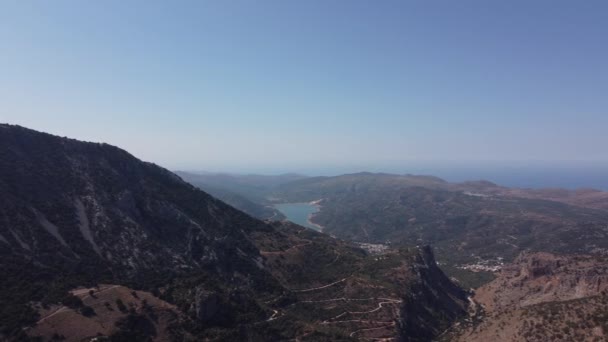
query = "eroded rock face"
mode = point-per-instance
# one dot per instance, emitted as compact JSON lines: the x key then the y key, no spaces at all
{"x":431,"y":302}
{"x":533,"y":266}
{"x":543,"y":277}
{"x":206,"y":305}
{"x":541,"y":297}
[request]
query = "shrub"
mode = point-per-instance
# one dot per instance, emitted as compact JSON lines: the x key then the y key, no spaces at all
{"x":72,"y":301}
{"x":121,"y":306}
{"x":87,"y":311}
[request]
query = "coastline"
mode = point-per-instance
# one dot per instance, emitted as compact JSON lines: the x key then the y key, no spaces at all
{"x":319,"y":227}
{"x":317,"y":204}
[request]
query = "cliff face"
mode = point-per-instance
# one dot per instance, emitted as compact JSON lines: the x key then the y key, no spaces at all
{"x":535,"y":278}
{"x":541,"y":297}
{"x":432,"y":303}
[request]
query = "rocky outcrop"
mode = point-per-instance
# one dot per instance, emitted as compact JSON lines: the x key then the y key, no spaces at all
{"x":541,"y":297}
{"x":206,"y":305}
{"x":432,"y":303}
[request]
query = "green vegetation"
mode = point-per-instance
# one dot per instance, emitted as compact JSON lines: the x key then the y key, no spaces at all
{"x":573,"y":320}
{"x":468,"y":279}
{"x":133,"y":327}
{"x":463,"y":229}
{"x":87,"y":311}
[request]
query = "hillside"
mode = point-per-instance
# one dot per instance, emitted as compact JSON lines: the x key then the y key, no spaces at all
{"x":470,"y":230}
{"x":257,"y":210}
{"x":75,"y":215}
{"x":253,"y":187}
{"x":589,"y":198}
{"x":541,"y":297}
{"x":108,"y":310}
{"x":398,"y":295}
{"x":245,"y":192}
{"x":78,"y":214}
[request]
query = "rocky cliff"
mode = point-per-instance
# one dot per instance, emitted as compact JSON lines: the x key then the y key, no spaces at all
{"x":544,"y":277}
{"x":541,"y":297}
{"x":432,"y":301}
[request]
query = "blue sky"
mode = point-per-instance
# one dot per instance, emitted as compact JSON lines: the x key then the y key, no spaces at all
{"x":285,"y":85}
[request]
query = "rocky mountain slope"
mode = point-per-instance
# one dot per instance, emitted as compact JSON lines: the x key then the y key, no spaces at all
{"x":75,"y":214}
{"x":543,"y":277}
{"x":541,"y":297}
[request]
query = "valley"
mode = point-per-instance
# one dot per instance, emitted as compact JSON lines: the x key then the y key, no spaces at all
{"x":472,"y":229}
{"x":533,"y":259}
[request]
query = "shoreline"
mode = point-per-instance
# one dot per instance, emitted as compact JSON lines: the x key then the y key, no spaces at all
{"x":310,"y":223}
{"x":316,"y":204}
{"x":309,"y":220}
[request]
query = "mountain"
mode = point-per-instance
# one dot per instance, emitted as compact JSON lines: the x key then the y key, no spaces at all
{"x":257,"y":210}
{"x":541,"y":297}
{"x":250,"y":186}
{"x":247,"y":193}
{"x":87,"y":229}
{"x":75,"y":214}
{"x":589,"y":198}
{"x":474,"y":226}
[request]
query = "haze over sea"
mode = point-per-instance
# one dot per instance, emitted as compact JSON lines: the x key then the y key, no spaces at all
{"x":544,"y":175}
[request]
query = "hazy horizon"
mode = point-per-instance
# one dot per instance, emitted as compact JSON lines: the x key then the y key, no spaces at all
{"x":277,"y":86}
{"x":514,"y":173}
{"x":511,"y":174}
